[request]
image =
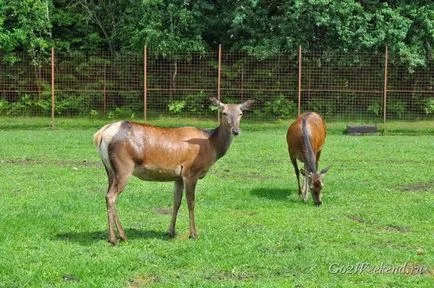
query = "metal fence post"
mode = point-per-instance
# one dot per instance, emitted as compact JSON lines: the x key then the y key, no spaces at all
{"x":52,"y":88}
{"x":105,"y":90}
{"x":145,"y":82}
{"x":218,"y":78}
{"x":299,"y":79}
{"x":386,"y":60}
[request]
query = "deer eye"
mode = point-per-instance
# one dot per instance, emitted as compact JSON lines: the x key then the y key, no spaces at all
{"x":224,"y":113}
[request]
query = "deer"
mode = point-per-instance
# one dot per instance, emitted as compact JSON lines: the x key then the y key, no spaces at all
{"x":306,"y":138}
{"x":151,"y":153}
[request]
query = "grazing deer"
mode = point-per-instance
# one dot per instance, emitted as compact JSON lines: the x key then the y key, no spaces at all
{"x":305,"y":138}
{"x":151,"y":153}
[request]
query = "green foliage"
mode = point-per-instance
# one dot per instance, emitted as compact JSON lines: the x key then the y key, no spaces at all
{"x":196,"y":103}
{"x":191,"y":104}
{"x":167,"y":27}
{"x":4,"y":106}
{"x":94,"y":113}
{"x":397,"y":108}
{"x":176,"y":106}
{"x":323,"y":106}
{"x":262,"y":28}
{"x":120,"y":113}
{"x":429,"y":106}
{"x":25,"y":25}
{"x":374,"y":108}
{"x":27,"y":105}
{"x":280,"y":106}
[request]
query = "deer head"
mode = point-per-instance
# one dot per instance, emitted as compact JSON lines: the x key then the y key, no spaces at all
{"x":231,"y":114}
{"x":315,"y":183}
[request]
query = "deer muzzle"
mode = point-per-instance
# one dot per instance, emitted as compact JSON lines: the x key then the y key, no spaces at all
{"x":236,"y":131}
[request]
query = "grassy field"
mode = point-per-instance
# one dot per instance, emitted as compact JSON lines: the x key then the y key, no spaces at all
{"x":377,"y":214}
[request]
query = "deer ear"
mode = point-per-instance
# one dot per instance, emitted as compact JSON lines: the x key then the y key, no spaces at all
{"x":217,"y":103}
{"x":324,"y":171}
{"x":247,"y":105}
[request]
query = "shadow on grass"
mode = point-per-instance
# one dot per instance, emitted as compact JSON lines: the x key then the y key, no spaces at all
{"x":278,"y":194}
{"x":89,"y":237}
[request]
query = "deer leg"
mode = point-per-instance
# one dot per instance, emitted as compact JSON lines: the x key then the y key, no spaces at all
{"x":177,"y":197}
{"x":305,"y":185}
{"x":318,"y":154}
{"x":111,"y":203}
{"x":297,"y":173}
{"x":190,"y":185}
{"x":305,"y":188}
{"x":116,"y":186}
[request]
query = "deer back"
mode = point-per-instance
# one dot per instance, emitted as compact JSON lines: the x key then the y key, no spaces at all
{"x":158,"y":153}
{"x":307,"y":130}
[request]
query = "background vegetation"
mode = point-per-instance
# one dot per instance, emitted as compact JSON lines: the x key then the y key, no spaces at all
{"x":262,"y":28}
{"x":349,"y":34}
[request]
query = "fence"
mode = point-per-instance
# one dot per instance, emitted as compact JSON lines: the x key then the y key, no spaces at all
{"x":367,"y":87}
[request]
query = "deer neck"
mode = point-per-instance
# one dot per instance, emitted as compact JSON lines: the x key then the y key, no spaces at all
{"x":221,"y":139}
{"x":309,"y":153}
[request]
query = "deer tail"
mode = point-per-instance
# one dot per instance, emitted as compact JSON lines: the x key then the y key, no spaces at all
{"x":102,"y":147}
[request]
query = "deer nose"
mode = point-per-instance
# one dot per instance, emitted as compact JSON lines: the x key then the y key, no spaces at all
{"x":235,"y":131}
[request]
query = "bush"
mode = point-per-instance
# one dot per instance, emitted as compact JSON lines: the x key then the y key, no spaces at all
{"x":4,"y":106}
{"x":176,"y":106}
{"x":429,"y":106}
{"x":26,"y":105}
{"x":397,"y":108}
{"x":325,"y":107}
{"x":280,"y":107}
{"x":374,"y":108}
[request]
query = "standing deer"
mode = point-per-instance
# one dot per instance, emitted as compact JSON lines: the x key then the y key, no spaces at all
{"x":305,"y":138}
{"x":151,"y":153}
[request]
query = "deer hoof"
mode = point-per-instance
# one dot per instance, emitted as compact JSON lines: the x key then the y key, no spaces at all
{"x":194,"y":236}
{"x":113,"y":241}
{"x":170,"y":234}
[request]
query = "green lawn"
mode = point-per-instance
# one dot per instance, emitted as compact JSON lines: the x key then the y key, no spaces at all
{"x":254,"y":231}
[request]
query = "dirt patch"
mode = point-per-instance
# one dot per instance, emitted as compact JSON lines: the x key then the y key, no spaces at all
{"x":244,"y":213}
{"x":164,"y":211}
{"x":240,"y":175}
{"x":357,"y":218}
{"x":60,"y":163}
{"x":417,"y":269}
{"x":142,"y":281}
{"x":70,"y":278}
{"x":25,"y":161}
{"x":417,"y":187}
{"x":396,"y":228}
{"x":234,"y":275}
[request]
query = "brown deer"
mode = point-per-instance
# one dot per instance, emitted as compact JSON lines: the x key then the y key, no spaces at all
{"x":305,"y":138}
{"x":151,"y":153}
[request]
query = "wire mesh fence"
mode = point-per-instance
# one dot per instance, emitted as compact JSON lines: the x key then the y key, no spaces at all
{"x":340,"y":86}
{"x":181,"y":84}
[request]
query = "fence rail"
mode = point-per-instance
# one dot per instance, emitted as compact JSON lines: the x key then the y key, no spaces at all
{"x":368,"y":87}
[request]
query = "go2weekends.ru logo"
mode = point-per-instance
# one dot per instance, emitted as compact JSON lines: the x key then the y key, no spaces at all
{"x":359,"y":268}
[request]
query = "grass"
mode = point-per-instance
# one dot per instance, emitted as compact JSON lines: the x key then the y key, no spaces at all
{"x":420,"y":127}
{"x":254,"y":230}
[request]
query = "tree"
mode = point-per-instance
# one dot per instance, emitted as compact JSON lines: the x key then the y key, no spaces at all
{"x":270,"y":26}
{"x":25,"y":26}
